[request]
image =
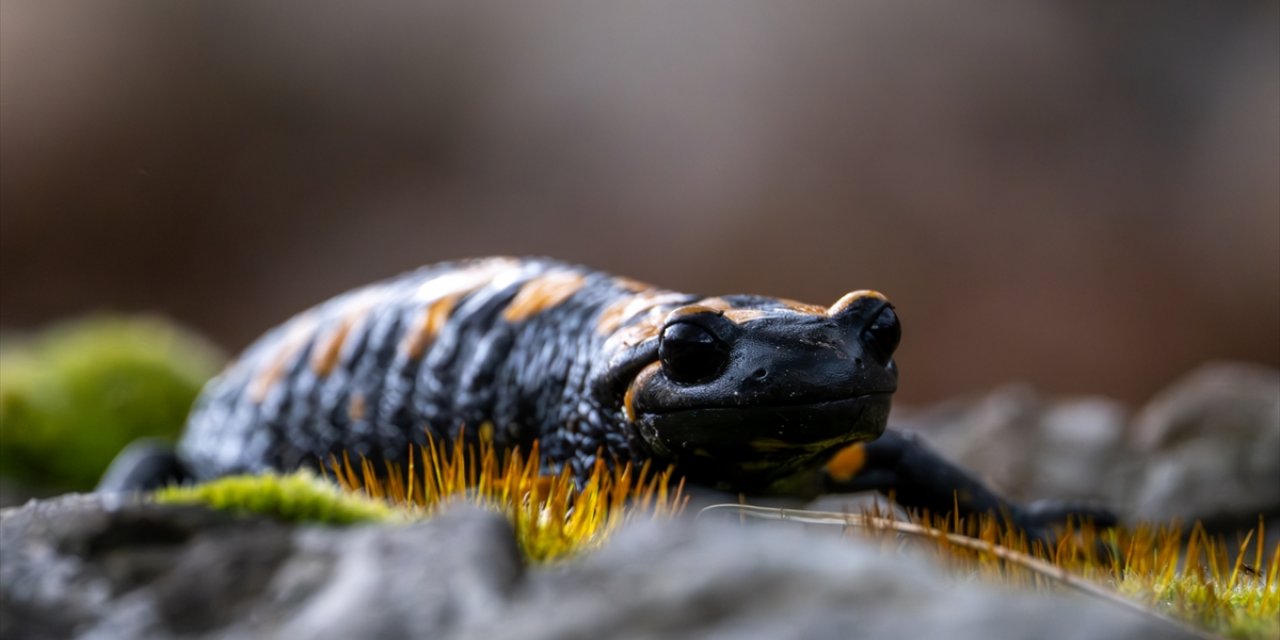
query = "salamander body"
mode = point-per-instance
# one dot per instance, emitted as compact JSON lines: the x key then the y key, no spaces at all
{"x":742,"y":392}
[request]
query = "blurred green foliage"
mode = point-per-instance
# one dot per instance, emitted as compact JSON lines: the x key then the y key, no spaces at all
{"x":73,"y":395}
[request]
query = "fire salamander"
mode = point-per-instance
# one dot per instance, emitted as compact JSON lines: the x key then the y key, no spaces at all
{"x":740,"y":392}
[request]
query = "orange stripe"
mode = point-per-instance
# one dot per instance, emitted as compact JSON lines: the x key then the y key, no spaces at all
{"x":541,"y":293}
{"x":428,"y":327}
{"x":629,"y":399}
{"x":803,"y":307}
{"x":302,"y":330}
{"x":848,"y":299}
{"x":627,"y":307}
{"x":847,"y":463}
{"x":356,"y":407}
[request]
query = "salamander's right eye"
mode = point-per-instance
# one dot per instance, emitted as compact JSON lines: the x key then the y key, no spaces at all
{"x":691,"y":354}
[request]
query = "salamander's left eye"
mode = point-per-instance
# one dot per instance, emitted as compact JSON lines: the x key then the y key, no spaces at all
{"x":690,"y":353}
{"x":883,"y":334}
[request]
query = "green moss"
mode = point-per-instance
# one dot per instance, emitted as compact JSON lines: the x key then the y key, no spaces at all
{"x":296,"y":497}
{"x":1248,"y":610}
{"x":73,"y":395}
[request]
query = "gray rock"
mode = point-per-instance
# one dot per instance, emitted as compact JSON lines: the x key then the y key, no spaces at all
{"x":91,"y":567}
{"x":714,"y":580}
{"x":98,"y":567}
{"x":1207,"y":448}
{"x":417,"y":581}
{"x":1210,"y":447}
{"x":14,"y":493}
{"x":64,"y":562}
{"x":1029,"y":447}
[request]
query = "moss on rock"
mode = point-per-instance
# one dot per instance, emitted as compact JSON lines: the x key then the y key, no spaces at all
{"x":73,"y":395}
{"x":300,"y":496}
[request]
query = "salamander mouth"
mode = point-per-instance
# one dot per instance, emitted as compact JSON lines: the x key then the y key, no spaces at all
{"x":750,"y":448}
{"x":817,"y":405}
{"x":766,"y":432}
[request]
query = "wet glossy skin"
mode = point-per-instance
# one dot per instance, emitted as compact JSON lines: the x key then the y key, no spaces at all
{"x":791,"y":387}
{"x":741,"y":392}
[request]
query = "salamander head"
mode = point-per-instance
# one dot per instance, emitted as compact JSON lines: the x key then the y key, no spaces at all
{"x":747,"y":391}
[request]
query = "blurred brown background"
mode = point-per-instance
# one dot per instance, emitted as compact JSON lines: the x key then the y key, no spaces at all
{"x":1085,"y":195}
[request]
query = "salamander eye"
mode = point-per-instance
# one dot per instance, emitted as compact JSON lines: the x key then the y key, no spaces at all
{"x":882,"y":335}
{"x":690,"y":353}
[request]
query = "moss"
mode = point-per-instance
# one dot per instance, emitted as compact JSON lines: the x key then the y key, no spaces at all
{"x":295,"y":497}
{"x":1185,"y":577}
{"x":554,"y":516}
{"x":73,"y":395}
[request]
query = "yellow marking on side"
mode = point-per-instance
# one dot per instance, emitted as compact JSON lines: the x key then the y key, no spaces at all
{"x":325,"y":352}
{"x":717,"y":304}
{"x":633,"y":335}
{"x":301,"y":330}
{"x":627,"y":307}
{"x":541,"y":293}
{"x":356,"y":407}
{"x":629,"y":398}
{"x":324,"y":355}
{"x":739,"y":316}
{"x":803,"y":307}
{"x":847,"y":462}
{"x":467,"y":278}
{"x":440,"y":294}
{"x":632,"y":285}
{"x":429,"y":324}
{"x":848,"y":299}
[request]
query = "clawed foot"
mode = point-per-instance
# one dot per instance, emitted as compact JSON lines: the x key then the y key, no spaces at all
{"x":1043,"y":514}
{"x":1044,"y":521}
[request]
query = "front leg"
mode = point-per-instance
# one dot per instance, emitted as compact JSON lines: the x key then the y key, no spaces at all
{"x":900,"y":464}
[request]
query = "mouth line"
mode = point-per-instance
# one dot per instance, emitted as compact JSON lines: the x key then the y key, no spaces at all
{"x":813,"y":404}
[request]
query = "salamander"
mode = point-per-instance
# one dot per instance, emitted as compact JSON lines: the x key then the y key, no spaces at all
{"x":744,"y":393}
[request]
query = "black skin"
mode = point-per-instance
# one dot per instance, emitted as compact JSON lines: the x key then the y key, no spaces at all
{"x":743,"y":393}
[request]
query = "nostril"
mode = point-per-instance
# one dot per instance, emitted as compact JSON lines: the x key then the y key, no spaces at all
{"x":759,"y":374}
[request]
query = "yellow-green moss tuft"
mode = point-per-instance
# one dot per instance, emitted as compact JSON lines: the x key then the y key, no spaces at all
{"x":553,"y":516}
{"x":75,"y":394}
{"x":1184,"y":577}
{"x":297,"y":497}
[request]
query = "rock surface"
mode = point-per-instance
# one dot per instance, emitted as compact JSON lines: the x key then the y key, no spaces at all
{"x":93,"y":568}
{"x":1211,"y":447}
{"x":1207,"y":448}
{"x":691,"y":580}
{"x":100,"y":567}
{"x":85,"y":566}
